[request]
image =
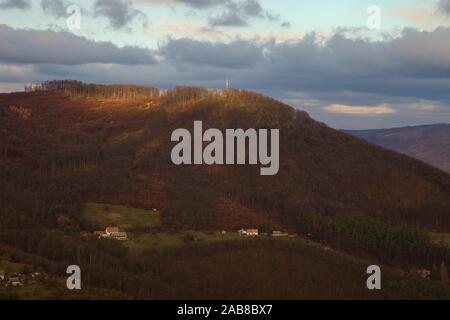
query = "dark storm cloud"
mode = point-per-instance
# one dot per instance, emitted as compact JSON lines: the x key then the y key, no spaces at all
{"x":120,"y":13}
{"x":15,"y":4}
{"x":45,"y":46}
{"x":444,"y":6}
{"x":235,"y":55}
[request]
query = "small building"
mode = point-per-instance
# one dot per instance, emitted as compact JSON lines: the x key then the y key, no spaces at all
{"x":112,"y":233}
{"x":16,"y":280}
{"x":100,"y":234}
{"x":252,"y":232}
{"x":242,"y":232}
{"x":110,"y":230}
{"x":248,"y":232}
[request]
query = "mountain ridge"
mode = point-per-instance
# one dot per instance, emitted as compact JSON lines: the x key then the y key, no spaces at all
{"x":429,"y":143}
{"x":112,"y":142}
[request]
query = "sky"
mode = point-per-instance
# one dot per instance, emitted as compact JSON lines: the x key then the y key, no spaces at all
{"x":353,"y":64}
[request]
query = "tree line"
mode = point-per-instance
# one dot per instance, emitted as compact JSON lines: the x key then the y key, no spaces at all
{"x":75,"y":88}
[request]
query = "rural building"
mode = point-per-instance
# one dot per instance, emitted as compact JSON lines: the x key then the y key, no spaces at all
{"x":111,"y":230}
{"x":249,"y":232}
{"x":242,"y":232}
{"x":16,"y":280}
{"x":100,"y":234}
{"x":19,"y":279}
{"x":112,"y":233}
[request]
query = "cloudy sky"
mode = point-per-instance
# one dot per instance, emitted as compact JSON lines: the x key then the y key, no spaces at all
{"x":335,"y":59}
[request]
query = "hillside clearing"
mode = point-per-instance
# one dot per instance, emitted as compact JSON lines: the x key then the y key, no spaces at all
{"x":123,"y":217}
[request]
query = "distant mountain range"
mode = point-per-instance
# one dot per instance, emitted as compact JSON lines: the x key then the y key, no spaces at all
{"x":429,"y":143}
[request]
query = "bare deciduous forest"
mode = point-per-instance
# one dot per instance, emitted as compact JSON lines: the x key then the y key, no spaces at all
{"x":65,"y":143}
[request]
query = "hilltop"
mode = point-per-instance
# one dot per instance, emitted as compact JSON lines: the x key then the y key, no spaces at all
{"x":118,"y":150}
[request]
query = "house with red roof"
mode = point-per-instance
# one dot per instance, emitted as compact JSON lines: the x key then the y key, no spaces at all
{"x":112,"y":233}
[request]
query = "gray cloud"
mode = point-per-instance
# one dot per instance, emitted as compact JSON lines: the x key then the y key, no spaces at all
{"x":410,"y":70}
{"x":45,"y":46}
{"x":235,"y":55}
{"x":15,"y":4}
{"x":56,"y":8}
{"x":237,"y":13}
{"x":202,"y":4}
{"x":234,"y":13}
{"x":444,"y":6}
{"x":229,"y":19}
{"x":416,"y":64}
{"x":252,"y":8}
{"x":120,"y":13}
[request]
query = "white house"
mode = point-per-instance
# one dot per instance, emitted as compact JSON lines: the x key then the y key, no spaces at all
{"x":249,"y":232}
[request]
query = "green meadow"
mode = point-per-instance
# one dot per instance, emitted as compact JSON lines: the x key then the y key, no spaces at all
{"x":124,"y":217}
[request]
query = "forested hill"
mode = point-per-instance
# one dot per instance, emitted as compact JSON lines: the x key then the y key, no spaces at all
{"x":60,"y":149}
{"x":429,"y":143}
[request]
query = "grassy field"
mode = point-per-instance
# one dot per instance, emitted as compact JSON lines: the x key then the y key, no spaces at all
{"x":10,"y":266}
{"x":124,"y":217}
{"x":127,"y":219}
{"x":145,"y":241}
{"x":441,"y":238}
